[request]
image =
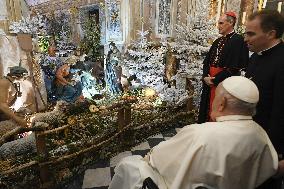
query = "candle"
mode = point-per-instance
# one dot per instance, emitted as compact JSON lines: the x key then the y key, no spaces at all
{"x":244,"y":17}
{"x":260,"y":4}
{"x":279,"y":7}
{"x":264,"y":4}
{"x":142,"y":14}
{"x":142,"y":8}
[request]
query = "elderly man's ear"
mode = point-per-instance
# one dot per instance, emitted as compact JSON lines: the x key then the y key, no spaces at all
{"x":222,"y":104}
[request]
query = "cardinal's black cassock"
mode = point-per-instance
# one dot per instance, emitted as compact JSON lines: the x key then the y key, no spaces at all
{"x":226,"y":57}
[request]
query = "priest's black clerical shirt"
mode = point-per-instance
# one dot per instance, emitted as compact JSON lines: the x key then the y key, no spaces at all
{"x":266,"y":69}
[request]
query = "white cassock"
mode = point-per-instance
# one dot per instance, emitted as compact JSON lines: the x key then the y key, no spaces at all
{"x":234,"y":152}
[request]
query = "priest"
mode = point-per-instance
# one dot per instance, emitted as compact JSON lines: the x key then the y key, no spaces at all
{"x":226,"y":57}
{"x":264,"y":31}
{"x":232,"y":152}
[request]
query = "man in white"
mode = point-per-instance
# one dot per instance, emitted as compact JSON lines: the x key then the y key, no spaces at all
{"x":233,"y":152}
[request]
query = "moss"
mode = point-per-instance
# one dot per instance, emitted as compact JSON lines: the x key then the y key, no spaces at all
{"x":91,"y":128}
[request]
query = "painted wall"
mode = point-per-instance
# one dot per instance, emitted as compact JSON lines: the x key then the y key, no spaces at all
{"x":24,"y":8}
{"x":3,"y":10}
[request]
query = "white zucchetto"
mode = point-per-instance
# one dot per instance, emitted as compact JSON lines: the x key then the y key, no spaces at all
{"x":242,"y":88}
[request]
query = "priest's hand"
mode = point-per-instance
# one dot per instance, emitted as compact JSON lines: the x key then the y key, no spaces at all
{"x":208,"y":80}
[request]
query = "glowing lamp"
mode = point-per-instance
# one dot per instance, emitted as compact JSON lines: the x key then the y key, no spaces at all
{"x":93,"y":108}
{"x":149,"y":92}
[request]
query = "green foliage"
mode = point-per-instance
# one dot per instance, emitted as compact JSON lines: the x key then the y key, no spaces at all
{"x":88,"y":129}
{"x":43,"y":43}
{"x":241,"y":30}
{"x":92,"y":39}
{"x":135,"y":92}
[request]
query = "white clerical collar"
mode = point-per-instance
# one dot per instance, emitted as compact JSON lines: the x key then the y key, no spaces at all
{"x":230,"y":33}
{"x":261,"y":52}
{"x":233,"y":118}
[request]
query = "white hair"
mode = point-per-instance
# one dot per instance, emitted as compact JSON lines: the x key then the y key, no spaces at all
{"x":238,"y":106}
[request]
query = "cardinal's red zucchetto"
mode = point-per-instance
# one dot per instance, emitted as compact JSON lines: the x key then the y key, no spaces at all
{"x":230,"y":13}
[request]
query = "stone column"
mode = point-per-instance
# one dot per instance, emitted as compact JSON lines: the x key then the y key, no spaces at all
{"x":233,"y":5}
{"x":246,"y":9}
{"x":183,"y":11}
{"x":147,"y":14}
{"x":174,"y":15}
{"x":191,"y":7}
{"x":213,"y":7}
{"x":135,"y":21}
{"x":3,"y":10}
{"x":14,"y":10}
{"x":125,"y":20}
{"x":152,"y":17}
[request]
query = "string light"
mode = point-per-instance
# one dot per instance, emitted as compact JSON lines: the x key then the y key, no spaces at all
{"x":260,"y":3}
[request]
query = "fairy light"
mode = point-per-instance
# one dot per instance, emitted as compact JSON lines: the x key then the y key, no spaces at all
{"x":279,"y":6}
{"x":149,"y":92}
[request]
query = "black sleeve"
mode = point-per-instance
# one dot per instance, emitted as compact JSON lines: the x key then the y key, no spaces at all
{"x":276,"y":123}
{"x":250,"y":67}
{"x":244,"y":55}
{"x":236,"y":58}
{"x":237,"y":55}
{"x":221,"y":76}
{"x":206,"y":66}
{"x":227,"y":72}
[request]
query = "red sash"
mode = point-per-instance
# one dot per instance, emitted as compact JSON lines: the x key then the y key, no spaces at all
{"x":212,"y":72}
